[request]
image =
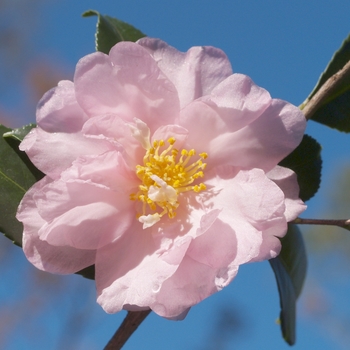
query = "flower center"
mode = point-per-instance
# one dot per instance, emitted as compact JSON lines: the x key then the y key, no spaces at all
{"x":165,"y":174}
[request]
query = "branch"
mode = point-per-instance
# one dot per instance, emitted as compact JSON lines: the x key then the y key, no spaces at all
{"x":132,"y":320}
{"x":340,"y":223}
{"x":326,"y":90}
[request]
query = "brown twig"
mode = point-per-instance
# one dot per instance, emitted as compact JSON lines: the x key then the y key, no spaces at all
{"x":326,"y":90}
{"x":340,"y":223}
{"x":132,"y":320}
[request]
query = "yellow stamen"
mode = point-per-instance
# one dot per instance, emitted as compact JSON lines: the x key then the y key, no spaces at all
{"x":163,"y":177}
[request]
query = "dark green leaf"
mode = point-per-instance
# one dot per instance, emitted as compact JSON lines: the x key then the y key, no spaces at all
{"x":17,"y":174}
{"x":289,"y":268}
{"x":15,"y":180}
{"x":335,"y":113}
{"x":335,"y":110}
{"x":306,"y":162}
{"x":337,"y":62}
{"x":14,"y":138}
{"x":19,"y":133}
{"x":110,"y":31}
{"x":88,"y":272}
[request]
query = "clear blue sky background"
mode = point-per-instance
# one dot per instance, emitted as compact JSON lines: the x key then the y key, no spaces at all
{"x":283,"y":46}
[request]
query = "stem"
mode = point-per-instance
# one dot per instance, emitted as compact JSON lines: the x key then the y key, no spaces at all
{"x":341,"y":223}
{"x":326,"y":90}
{"x":132,"y":320}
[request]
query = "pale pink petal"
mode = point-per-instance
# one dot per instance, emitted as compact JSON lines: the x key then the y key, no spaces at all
{"x":62,"y":260}
{"x":130,"y":272}
{"x":192,"y":282}
{"x":253,"y":206}
{"x":108,"y":169}
{"x":265,"y":142}
{"x":87,"y":209}
{"x":238,"y":101}
{"x":176,"y":131}
{"x":220,"y":240}
{"x":127,"y":83}
{"x":58,"y":110}
{"x":52,"y":153}
{"x":287,"y":181}
{"x":115,"y":130}
{"x":204,"y":125}
{"x":194,"y":73}
{"x":90,"y":226}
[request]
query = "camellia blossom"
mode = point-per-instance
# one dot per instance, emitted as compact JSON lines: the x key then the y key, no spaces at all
{"x":161,"y":170}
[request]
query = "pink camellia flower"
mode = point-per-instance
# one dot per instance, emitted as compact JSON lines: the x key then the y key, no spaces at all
{"x":161,"y":169}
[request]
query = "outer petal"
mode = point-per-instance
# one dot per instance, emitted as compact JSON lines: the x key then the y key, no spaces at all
{"x":89,"y":206}
{"x":253,"y":206}
{"x":238,"y":101}
{"x":63,"y":260}
{"x":130,"y":271}
{"x":265,"y":142}
{"x":192,"y":282}
{"x":286,"y":180}
{"x":58,"y":110}
{"x":127,"y":83}
{"x":52,"y":153}
{"x":194,"y":73}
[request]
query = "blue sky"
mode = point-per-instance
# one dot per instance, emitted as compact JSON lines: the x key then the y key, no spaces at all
{"x":283,"y":46}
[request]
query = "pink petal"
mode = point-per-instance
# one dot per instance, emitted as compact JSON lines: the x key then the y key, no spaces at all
{"x":89,"y":206}
{"x":52,"y":153}
{"x":220,"y":241}
{"x":194,"y":73}
{"x":130,"y":271}
{"x":265,"y":142}
{"x":253,"y":206}
{"x":204,"y":125}
{"x":238,"y":101}
{"x":86,"y":226}
{"x":127,"y":83}
{"x":115,"y":130}
{"x":58,"y":110}
{"x":62,"y":260}
{"x":176,"y":131}
{"x":108,"y":169}
{"x":191,"y":283}
{"x":286,"y":180}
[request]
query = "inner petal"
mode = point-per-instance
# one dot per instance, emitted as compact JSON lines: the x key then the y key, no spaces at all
{"x":165,"y":174}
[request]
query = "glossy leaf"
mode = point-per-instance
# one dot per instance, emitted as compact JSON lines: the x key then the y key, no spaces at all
{"x":335,"y":113}
{"x":14,"y":138}
{"x":88,"y":272}
{"x":306,"y":162}
{"x":19,"y":133}
{"x":17,"y":174}
{"x":289,"y":268}
{"x":110,"y":31}
{"x":337,"y":62}
{"x":15,"y":179}
{"x":335,"y":110}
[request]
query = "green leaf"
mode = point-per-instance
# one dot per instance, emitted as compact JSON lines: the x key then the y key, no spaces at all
{"x":335,"y":110}
{"x":289,"y":268}
{"x":88,"y":272}
{"x":306,"y":162}
{"x":14,"y":138}
{"x":335,"y":113}
{"x":110,"y":31}
{"x":20,"y":133}
{"x":17,"y":175}
{"x":337,"y":62}
{"x":15,"y":179}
